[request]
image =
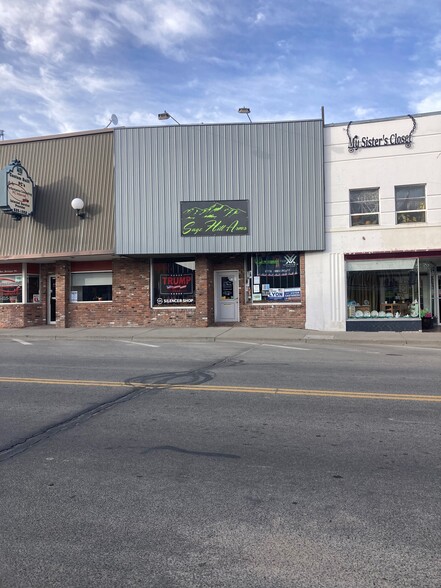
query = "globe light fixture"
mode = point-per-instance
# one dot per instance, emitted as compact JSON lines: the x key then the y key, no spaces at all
{"x":78,"y":205}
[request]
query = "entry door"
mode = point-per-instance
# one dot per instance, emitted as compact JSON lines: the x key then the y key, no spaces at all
{"x":226,"y":292}
{"x":51,"y":301}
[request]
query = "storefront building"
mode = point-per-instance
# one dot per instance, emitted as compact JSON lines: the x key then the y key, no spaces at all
{"x":177,"y":226}
{"x":381,"y":268}
{"x":40,"y":247}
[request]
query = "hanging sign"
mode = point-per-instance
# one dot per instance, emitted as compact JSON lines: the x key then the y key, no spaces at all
{"x":16,"y":191}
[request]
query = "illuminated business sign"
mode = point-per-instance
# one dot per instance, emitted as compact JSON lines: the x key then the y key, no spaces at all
{"x":16,"y":191}
{"x":356,"y":142}
{"x":214,"y":218}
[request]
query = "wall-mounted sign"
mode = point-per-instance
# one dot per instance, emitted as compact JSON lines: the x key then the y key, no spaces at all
{"x":16,"y":191}
{"x":356,"y":142}
{"x":214,"y":218}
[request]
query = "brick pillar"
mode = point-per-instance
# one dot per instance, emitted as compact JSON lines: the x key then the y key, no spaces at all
{"x":62,"y":277}
{"x":204,"y":291}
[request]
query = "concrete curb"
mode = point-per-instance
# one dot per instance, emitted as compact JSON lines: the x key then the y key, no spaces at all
{"x":280,"y":336}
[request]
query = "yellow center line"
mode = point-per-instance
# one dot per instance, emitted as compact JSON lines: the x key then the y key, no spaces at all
{"x":248,"y":389}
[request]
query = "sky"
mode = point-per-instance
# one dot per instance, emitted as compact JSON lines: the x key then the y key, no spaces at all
{"x":67,"y":66}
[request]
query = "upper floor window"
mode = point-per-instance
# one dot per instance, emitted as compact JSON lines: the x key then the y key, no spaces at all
{"x":364,"y":206}
{"x":410,"y":204}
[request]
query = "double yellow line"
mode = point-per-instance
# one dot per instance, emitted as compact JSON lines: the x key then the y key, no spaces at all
{"x":239,"y":389}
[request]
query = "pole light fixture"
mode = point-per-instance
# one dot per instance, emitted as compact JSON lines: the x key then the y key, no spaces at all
{"x":245,"y":110}
{"x":165,"y":116}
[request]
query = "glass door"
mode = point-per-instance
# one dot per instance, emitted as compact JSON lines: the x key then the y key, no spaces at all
{"x":51,"y":301}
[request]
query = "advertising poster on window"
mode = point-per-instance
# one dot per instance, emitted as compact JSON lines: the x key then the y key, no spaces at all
{"x":227,"y":288}
{"x":292,"y":294}
{"x":276,"y":294}
{"x":277,"y":265}
{"x":176,"y":289}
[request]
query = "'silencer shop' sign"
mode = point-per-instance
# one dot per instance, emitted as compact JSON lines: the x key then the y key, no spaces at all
{"x":356,"y":142}
{"x":16,"y":190}
{"x":214,"y":218}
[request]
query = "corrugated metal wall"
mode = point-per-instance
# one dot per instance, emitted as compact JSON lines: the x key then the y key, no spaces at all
{"x":278,"y":167}
{"x":63,"y":168}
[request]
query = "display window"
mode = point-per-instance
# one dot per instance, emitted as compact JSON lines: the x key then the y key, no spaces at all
{"x":19,"y":283}
{"x":173,"y":282}
{"x":274,"y":278}
{"x":11,"y":288}
{"x":383,"y":289}
{"x":33,"y":288}
{"x":91,"y":286}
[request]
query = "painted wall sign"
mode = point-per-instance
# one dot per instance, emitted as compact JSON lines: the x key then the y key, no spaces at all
{"x":16,"y":191}
{"x":356,"y":142}
{"x":214,"y":218}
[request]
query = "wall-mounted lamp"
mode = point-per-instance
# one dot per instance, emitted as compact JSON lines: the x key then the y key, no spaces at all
{"x":165,"y":116}
{"x":245,"y":110}
{"x":78,"y":205}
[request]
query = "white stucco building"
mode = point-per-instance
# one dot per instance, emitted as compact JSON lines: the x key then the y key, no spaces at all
{"x":381,"y":267}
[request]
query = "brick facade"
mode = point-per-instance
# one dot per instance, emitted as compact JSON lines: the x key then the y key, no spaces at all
{"x":130,"y":306}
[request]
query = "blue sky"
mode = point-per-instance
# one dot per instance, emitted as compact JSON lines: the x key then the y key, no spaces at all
{"x":67,"y":66}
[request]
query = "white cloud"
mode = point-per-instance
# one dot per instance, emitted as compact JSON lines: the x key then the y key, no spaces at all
{"x":431,"y":103}
{"x":361,"y":112}
{"x":166,"y":25}
{"x":139,"y":118}
{"x":55,"y":29}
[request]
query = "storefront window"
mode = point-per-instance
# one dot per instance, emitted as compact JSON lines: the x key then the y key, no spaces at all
{"x":13,"y":278}
{"x":173,"y":282}
{"x":91,"y":286}
{"x":11,"y":288}
{"x":274,"y":278}
{"x":33,"y":288}
{"x":383,"y":289}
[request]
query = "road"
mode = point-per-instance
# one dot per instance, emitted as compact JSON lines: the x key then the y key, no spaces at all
{"x":179,"y":464}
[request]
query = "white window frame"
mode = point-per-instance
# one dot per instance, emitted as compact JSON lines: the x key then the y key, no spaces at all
{"x":374,"y":203}
{"x":410,"y":215}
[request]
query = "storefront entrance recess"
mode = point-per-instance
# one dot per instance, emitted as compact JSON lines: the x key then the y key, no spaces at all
{"x":226,"y":296}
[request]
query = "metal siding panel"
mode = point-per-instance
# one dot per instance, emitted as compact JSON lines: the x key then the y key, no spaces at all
{"x":278,"y":167}
{"x":63,"y":168}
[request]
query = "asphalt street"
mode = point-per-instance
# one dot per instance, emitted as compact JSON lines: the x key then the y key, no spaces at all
{"x":169,"y":463}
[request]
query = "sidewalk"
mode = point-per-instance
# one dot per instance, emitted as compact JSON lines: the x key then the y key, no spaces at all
{"x":268,"y":335}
